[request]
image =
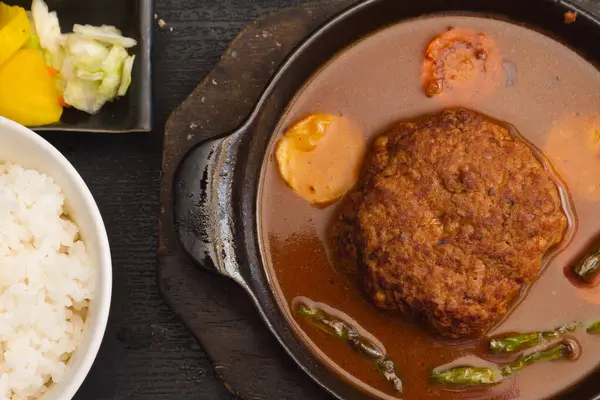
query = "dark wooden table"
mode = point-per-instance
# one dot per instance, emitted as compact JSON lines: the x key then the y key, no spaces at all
{"x":147,"y":353}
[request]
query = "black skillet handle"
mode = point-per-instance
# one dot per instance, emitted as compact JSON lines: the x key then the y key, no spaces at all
{"x":202,"y":201}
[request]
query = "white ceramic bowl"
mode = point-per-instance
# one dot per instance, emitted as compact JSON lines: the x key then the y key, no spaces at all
{"x":22,"y":146}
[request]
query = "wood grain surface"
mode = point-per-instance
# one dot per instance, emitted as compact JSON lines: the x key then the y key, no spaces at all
{"x":147,"y":352}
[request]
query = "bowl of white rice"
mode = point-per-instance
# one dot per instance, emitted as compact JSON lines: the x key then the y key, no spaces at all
{"x":55,"y":270}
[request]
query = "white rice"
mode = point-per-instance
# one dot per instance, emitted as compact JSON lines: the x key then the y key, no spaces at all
{"x":46,"y":283}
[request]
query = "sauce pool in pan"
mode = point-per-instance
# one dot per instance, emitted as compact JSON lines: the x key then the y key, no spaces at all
{"x":551,"y":95}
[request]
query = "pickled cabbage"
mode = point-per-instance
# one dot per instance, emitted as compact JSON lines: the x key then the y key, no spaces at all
{"x":93,"y":63}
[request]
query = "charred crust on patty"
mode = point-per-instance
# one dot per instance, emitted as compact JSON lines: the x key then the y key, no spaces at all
{"x":453,"y":214}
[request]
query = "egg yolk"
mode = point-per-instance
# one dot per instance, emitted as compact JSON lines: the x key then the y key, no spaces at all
{"x":320,"y":157}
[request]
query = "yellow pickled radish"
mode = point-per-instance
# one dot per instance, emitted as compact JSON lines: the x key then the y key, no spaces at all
{"x":15,"y":30}
{"x":28,"y":94}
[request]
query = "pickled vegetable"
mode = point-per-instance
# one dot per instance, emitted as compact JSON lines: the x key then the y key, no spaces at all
{"x":105,"y":34}
{"x":126,"y":75}
{"x":34,"y":41}
{"x":28,"y":94}
{"x":93,"y":63}
{"x":48,"y":30}
{"x":15,"y":30}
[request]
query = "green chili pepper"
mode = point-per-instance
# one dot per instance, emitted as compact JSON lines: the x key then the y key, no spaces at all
{"x":361,"y":345}
{"x":560,"y":351}
{"x":469,"y":376}
{"x":521,"y":341}
{"x":588,"y":268}
{"x":594,"y":328}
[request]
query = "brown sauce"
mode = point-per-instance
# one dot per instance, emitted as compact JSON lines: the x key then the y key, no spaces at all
{"x":552,"y":99}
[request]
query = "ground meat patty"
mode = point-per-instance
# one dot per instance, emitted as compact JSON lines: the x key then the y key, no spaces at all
{"x":452,"y":215}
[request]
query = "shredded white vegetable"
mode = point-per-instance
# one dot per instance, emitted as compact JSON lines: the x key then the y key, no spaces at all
{"x":93,"y":63}
{"x":105,"y":34}
{"x":126,"y":75}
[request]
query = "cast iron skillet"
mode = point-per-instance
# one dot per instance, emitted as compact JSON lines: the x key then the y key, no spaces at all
{"x":216,"y":185}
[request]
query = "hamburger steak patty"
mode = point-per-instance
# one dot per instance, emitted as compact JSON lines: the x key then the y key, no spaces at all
{"x":452,"y":215}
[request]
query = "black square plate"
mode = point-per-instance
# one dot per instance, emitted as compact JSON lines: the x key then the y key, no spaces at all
{"x":132,"y":113}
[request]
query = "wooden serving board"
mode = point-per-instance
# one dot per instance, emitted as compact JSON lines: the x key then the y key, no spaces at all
{"x":217,"y":312}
